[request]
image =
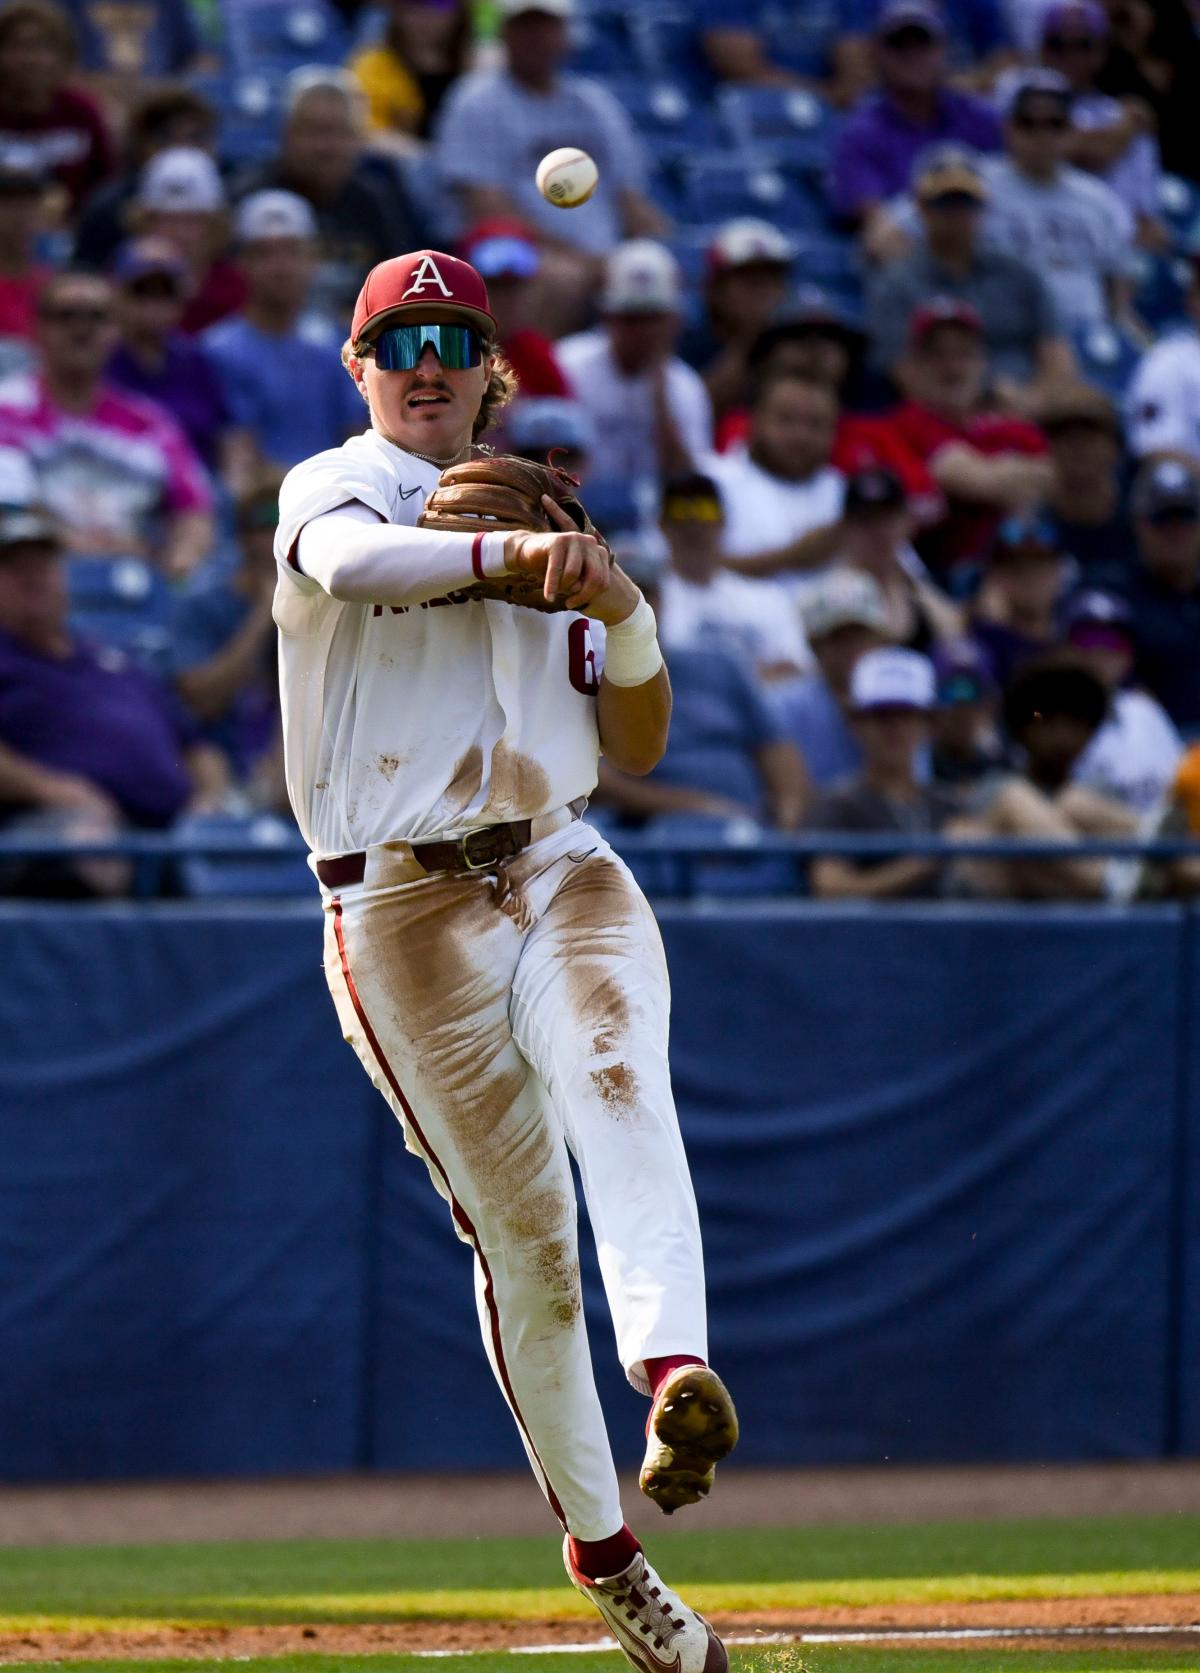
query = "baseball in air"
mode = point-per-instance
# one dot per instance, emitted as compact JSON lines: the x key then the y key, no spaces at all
{"x":567,"y":177}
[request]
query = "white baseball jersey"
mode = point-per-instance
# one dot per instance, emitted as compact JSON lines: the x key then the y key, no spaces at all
{"x":1163,"y":402}
{"x":410,"y":712}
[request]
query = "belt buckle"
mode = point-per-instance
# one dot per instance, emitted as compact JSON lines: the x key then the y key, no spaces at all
{"x":464,"y":849}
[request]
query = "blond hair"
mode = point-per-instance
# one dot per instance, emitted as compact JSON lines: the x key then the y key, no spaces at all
{"x":502,"y":386}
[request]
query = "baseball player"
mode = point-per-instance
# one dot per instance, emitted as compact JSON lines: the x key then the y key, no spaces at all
{"x":493,"y":963}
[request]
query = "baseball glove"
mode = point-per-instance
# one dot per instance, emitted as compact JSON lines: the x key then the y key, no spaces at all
{"x":500,"y":491}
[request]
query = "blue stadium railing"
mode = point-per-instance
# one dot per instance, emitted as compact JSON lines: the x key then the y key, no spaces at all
{"x":155,"y":855}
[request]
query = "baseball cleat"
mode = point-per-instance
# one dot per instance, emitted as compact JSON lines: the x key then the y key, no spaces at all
{"x":654,"y":1628}
{"x":693,"y":1425}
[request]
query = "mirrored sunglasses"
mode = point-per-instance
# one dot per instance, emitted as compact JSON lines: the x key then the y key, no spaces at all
{"x":400,"y":348}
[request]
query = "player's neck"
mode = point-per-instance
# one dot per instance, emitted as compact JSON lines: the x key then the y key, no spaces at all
{"x":441,"y":461}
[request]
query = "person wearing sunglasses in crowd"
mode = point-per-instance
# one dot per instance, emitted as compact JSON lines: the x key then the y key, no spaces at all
{"x":1068,"y":225}
{"x":493,"y":963}
{"x":158,"y":360}
{"x":115,"y":469}
{"x":1112,"y":138}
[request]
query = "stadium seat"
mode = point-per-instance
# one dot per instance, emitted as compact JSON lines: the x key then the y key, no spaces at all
{"x":600,"y":44}
{"x":717,"y":187}
{"x":276,"y":873}
{"x":1107,"y":357}
{"x":796,"y":127}
{"x":288,"y":32}
{"x":671,"y":121}
{"x":249,"y":106}
{"x":122,"y":602}
{"x":688,"y":874}
{"x":1179,"y":206}
{"x":665,"y":44}
{"x":1163,"y":284}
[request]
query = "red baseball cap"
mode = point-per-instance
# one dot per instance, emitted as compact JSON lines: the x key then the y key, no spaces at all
{"x":416,"y":282}
{"x":942,"y":310}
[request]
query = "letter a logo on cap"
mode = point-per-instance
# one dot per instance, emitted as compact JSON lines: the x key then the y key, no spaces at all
{"x":427,"y":274}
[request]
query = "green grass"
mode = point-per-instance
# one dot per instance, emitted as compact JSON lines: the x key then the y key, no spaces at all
{"x":54,"y":1588}
{"x":776,"y":1659}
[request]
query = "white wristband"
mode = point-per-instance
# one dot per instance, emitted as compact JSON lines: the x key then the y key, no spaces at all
{"x":631,"y":653}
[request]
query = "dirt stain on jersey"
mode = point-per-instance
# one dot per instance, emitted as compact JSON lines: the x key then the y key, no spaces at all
{"x":466,"y":778}
{"x":388,"y":766}
{"x":519,"y":788}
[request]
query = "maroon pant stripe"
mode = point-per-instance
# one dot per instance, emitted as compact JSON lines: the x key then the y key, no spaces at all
{"x":461,"y":1218}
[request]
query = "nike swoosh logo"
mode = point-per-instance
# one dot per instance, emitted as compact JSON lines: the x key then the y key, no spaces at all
{"x":640,"y":1651}
{"x":407,"y":493}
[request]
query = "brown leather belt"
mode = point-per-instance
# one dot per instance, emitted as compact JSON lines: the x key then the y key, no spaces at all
{"x":474,"y":852}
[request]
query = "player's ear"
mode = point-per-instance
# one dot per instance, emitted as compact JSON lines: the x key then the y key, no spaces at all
{"x":356,"y":368}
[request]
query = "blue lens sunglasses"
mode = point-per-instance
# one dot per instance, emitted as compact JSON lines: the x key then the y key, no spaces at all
{"x":400,"y":347}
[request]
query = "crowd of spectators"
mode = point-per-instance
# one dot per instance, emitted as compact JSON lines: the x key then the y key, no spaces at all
{"x":877,"y":354}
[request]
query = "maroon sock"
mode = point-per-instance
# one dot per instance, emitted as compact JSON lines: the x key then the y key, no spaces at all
{"x":598,"y":1559}
{"x":658,"y":1370}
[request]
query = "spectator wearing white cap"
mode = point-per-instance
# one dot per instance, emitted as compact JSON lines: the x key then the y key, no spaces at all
{"x":746,"y":280}
{"x":893,"y":694}
{"x":844,"y":617}
{"x":281,"y":366}
{"x":651,"y":412}
{"x":364,"y":212}
{"x":181,"y":197}
{"x":1134,"y":756}
{"x":496,"y":125}
{"x":891,"y":701}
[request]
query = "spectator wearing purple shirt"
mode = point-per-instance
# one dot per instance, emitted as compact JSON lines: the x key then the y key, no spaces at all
{"x":156,"y":360}
{"x":914,"y":109}
{"x":88,"y":742}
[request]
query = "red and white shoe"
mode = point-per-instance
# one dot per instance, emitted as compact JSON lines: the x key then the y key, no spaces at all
{"x":655,"y":1629}
{"x":693,"y":1425}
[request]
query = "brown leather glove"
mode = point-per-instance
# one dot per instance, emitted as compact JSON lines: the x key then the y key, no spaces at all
{"x":500,"y":491}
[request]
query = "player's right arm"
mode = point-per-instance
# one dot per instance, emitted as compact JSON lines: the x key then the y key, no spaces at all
{"x":357,"y":558}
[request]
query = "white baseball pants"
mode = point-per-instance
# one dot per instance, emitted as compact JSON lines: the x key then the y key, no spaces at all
{"x":507,"y":1026}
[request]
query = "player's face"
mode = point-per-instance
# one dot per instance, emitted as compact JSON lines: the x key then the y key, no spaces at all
{"x":431,"y":409}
